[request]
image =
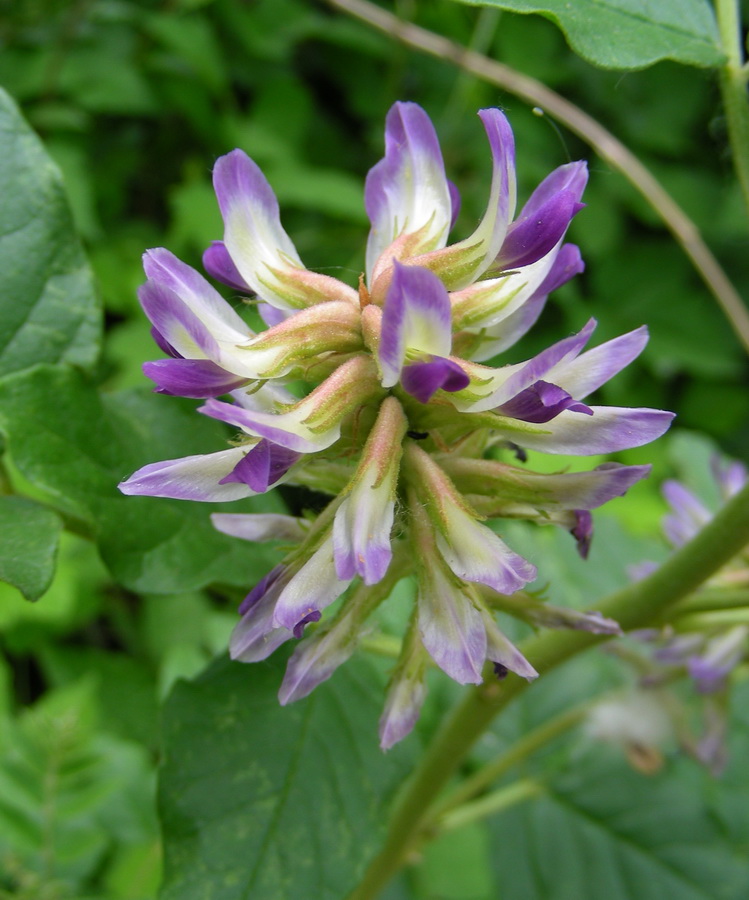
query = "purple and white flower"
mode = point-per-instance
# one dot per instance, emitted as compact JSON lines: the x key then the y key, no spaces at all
{"x":382,"y":398}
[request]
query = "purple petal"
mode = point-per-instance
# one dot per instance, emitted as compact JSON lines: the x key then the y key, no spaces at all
{"x":608,"y":430}
{"x":475,"y":553}
{"x":298,"y":629}
{"x":407,"y":191}
{"x":312,"y":588}
{"x":403,"y":703}
{"x":361,"y":536}
{"x":177,"y":324}
{"x":256,"y":636}
{"x":503,"y":653}
{"x":253,"y":236}
{"x":540,"y":403}
{"x":219,"y":265}
{"x":722,"y":654}
{"x":507,"y":332}
{"x":423,"y":379}
{"x":454,"y":203}
{"x":533,"y":236}
{"x":493,"y":227}
{"x":315,"y":660}
{"x":163,"y":344}
{"x":189,"y":478}
{"x":729,"y":475}
{"x":451,"y":628}
{"x":259,"y":527}
{"x":570,"y":177}
{"x":504,"y":384}
{"x":197,"y":378}
{"x":271,"y":315}
{"x":463,"y":263}
{"x":277,"y":428}
{"x":262,"y":467}
{"x":584,"y":490}
{"x":194,"y":291}
{"x":416,"y":316}
{"x":595,"y":367}
{"x":260,"y":589}
{"x":688,"y":513}
{"x":544,"y":218}
{"x":583,"y":531}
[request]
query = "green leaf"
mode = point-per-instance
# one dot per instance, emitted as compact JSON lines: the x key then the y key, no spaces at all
{"x":48,"y":308}
{"x":268,"y":802}
{"x":604,"y":830}
{"x":629,"y":34}
{"x":69,"y":796}
{"x":73,"y":446}
{"x":29,"y":535}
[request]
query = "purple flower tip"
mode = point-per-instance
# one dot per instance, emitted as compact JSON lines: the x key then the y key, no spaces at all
{"x":313,"y":616}
{"x":583,"y":531}
{"x":541,"y":403}
{"x":423,"y":379}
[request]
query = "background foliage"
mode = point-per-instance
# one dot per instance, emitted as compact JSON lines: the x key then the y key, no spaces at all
{"x":132,"y":103}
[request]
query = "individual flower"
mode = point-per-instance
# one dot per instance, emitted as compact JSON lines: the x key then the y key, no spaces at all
{"x":383,"y":398}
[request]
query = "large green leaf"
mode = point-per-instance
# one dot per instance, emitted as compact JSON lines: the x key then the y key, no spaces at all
{"x":604,"y":830}
{"x":268,"y":802}
{"x":73,"y":446}
{"x":48,"y":309}
{"x":29,"y":535}
{"x":629,"y":34}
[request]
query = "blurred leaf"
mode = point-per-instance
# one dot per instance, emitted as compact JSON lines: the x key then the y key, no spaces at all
{"x":47,"y":305}
{"x":29,"y":535}
{"x":457,"y":866}
{"x":192,"y":40}
{"x":273,"y":803}
{"x":604,"y":830}
{"x":72,"y":600}
{"x":74,"y":446}
{"x":629,"y":34}
{"x":67,"y":793}
{"x":325,"y":190}
{"x":104,"y":75}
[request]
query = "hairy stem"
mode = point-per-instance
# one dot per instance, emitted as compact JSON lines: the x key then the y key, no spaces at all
{"x":592,"y":132}
{"x":634,"y":606}
{"x":734,"y":90}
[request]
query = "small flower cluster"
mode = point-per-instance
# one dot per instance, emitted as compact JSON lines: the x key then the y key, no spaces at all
{"x":705,"y":645}
{"x":403,"y":423}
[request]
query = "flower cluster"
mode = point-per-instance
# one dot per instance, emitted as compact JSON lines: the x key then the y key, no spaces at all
{"x":402,"y":422}
{"x":711,"y":638}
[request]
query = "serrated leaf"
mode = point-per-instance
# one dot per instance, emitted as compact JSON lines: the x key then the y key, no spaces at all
{"x":29,"y":536}
{"x":74,"y":446}
{"x":48,"y":309}
{"x":605,"y":830}
{"x":268,"y":802}
{"x":629,"y":34}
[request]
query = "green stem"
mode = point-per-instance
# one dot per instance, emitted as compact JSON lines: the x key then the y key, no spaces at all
{"x":489,"y":805}
{"x":634,"y":606}
{"x":519,"y":751}
{"x":733,"y":90}
{"x":710,"y":601}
